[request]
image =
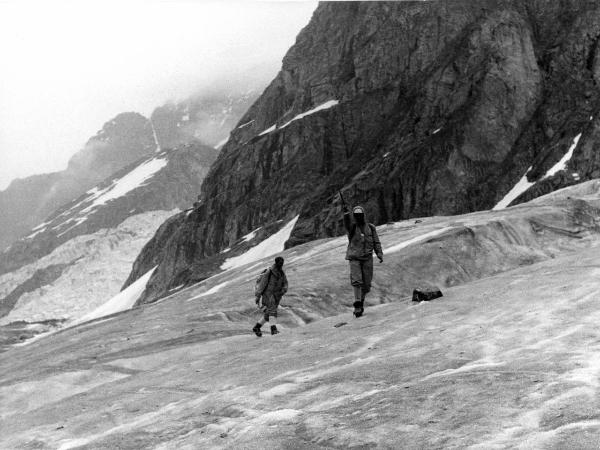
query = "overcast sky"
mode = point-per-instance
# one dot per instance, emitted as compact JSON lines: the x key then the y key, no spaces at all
{"x":69,"y":66}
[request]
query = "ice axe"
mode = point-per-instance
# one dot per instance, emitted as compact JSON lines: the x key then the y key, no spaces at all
{"x":343,"y":202}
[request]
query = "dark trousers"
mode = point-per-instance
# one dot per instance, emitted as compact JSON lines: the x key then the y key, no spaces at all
{"x":270,"y":303}
{"x":361,"y":273}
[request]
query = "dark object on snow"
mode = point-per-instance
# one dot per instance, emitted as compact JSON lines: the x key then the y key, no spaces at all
{"x":341,"y":324}
{"x":256,"y":330}
{"x":424,"y":295}
{"x":274,"y":330}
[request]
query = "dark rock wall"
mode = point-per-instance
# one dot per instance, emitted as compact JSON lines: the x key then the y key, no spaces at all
{"x":443,"y":106}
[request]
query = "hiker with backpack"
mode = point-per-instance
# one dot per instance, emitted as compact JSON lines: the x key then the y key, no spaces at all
{"x":362,"y":241}
{"x":270,"y":286}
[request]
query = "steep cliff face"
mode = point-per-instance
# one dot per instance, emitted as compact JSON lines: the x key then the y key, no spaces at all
{"x":412,"y":109}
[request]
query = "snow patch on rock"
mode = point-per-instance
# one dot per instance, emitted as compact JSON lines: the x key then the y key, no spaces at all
{"x":270,"y":246}
{"x":245,"y":124}
{"x":222,"y":143}
{"x":268,"y":130}
{"x":251,"y":235}
{"x":328,"y":104}
{"x":562,"y":164}
{"x":123,"y":301}
{"x":517,"y":190}
{"x":129,"y":182}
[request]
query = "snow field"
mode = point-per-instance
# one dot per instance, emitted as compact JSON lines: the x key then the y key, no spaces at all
{"x":415,"y":240}
{"x":97,"y":265}
{"x":212,"y":290}
{"x":123,"y":301}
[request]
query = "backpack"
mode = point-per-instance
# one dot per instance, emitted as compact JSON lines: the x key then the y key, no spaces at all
{"x":259,"y":280}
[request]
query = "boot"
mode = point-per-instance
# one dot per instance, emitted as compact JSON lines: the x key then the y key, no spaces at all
{"x":256,"y":330}
{"x":358,"y":309}
{"x":274,"y":330}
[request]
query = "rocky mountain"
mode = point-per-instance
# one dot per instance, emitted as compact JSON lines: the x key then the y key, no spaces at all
{"x":26,"y":202}
{"x":507,"y":358}
{"x":81,"y":254}
{"x":411,"y":109}
{"x":205,"y":118}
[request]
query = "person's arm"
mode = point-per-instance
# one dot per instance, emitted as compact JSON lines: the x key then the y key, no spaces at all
{"x":377,"y":244}
{"x":284,"y":288}
{"x":347,"y":221}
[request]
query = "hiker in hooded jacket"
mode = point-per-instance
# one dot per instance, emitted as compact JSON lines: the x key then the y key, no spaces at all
{"x":362,"y":241}
{"x":272,"y":286}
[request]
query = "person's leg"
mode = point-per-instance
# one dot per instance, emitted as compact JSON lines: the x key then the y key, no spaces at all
{"x":270,"y":304}
{"x":263,"y":319}
{"x":356,"y":279}
{"x":367,"y":276}
{"x":273,"y":322}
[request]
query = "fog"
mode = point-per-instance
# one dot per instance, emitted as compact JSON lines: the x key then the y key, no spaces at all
{"x":70,"y":66}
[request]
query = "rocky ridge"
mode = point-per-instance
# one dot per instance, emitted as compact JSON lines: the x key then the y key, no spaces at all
{"x":205,"y":118}
{"x":411,"y":109}
{"x":168,"y":179}
{"x":26,"y":202}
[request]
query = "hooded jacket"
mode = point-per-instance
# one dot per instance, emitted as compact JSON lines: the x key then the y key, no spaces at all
{"x":276,"y":284}
{"x":362,"y":240}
